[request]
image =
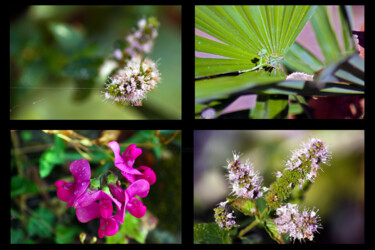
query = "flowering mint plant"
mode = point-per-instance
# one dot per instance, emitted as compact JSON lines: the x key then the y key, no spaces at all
{"x":273,"y":208}
{"x":108,"y":198}
{"x":135,"y":75}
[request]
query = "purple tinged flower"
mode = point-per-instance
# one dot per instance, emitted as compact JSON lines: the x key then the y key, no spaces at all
{"x":245,"y":181}
{"x":128,"y":200}
{"x":298,"y":225}
{"x":311,"y":155}
{"x":224,"y":219}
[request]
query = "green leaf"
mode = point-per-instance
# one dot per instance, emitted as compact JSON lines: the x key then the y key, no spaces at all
{"x":16,"y":236}
{"x":68,"y":39}
{"x":222,"y":86}
{"x":66,"y":234}
{"x":52,"y":157}
{"x":325,"y":34}
{"x":21,"y":185}
{"x":270,"y":107}
{"x":83,"y":68}
{"x":298,"y":58}
{"x":40,"y":223}
{"x":245,"y":206}
{"x":244,"y":31}
{"x":211,"y":233}
{"x":270,"y":227}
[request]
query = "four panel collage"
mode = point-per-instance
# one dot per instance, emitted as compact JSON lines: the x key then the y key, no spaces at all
{"x":105,"y":147}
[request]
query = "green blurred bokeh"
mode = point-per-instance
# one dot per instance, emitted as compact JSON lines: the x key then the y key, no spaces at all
{"x":58,"y":67}
{"x":338,"y":192}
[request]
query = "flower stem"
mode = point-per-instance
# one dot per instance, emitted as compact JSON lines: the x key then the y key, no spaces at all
{"x":248,"y":228}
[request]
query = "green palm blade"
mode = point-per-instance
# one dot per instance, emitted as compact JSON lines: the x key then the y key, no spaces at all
{"x":246,"y":30}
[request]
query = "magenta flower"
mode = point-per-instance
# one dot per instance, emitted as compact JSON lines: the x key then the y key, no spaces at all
{"x":71,"y":192}
{"x":91,"y":203}
{"x":129,"y":201}
{"x":89,"y":209}
{"x":126,"y":161}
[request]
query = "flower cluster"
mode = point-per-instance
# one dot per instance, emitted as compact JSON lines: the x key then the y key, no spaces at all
{"x":93,"y":199}
{"x":303,"y":165}
{"x":312,"y":153}
{"x":136,"y":75}
{"x":142,"y":40}
{"x":245,"y":181}
{"x":223,"y":218}
{"x":131,"y":84}
{"x":298,"y":225}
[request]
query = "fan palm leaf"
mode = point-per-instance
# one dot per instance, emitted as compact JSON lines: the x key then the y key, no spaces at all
{"x":243,"y":31}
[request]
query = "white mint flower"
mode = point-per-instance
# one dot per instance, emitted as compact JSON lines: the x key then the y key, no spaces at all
{"x":137,"y":78}
{"x":223,"y":218}
{"x":312,"y":154}
{"x":298,"y":225}
{"x":245,"y":181}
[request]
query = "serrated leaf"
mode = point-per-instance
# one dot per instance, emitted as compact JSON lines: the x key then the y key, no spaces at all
{"x":211,"y":233}
{"x":245,"y":206}
{"x":272,"y":231}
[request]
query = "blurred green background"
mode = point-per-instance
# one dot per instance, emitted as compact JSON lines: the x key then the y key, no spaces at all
{"x":39,"y":159}
{"x":58,"y":61}
{"x":338,"y":192}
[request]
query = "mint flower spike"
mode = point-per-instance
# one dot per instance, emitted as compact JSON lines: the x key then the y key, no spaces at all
{"x":298,"y":225}
{"x":245,"y":181}
{"x":308,"y":158}
{"x":142,"y":39}
{"x":224,"y":219}
{"x":131,"y":84}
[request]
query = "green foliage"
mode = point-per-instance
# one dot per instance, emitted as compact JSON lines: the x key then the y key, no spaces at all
{"x":21,"y":185}
{"x":145,"y":136}
{"x":211,"y":233}
{"x":246,"y":30}
{"x":60,"y":58}
{"x":52,"y":157}
{"x":245,"y":206}
{"x":66,"y":234}
{"x":40,"y":223}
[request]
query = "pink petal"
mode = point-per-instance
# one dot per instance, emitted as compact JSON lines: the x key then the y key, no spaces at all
{"x":85,"y":214}
{"x":147,"y":173}
{"x":140,"y":188}
{"x":106,"y":208}
{"x":131,"y":153}
{"x":107,"y":227}
{"x":119,"y":160}
{"x":81,"y":170}
{"x":64,"y":190}
{"x":136,"y":208}
{"x":120,"y":216}
{"x":117,"y":192}
{"x":93,"y":195}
